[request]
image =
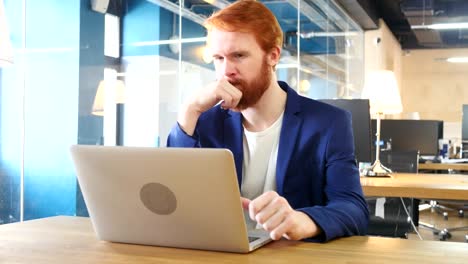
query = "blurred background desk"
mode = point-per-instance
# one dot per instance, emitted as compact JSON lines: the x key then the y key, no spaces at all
{"x":421,"y":185}
{"x":426,"y":186}
{"x":444,"y":166}
{"x":72,"y":240}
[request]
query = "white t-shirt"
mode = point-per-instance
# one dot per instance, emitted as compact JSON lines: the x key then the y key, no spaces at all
{"x":259,"y":166}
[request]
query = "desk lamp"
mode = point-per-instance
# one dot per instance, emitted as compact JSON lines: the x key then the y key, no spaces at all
{"x":111,"y":93}
{"x":6,"y":49}
{"x":384,"y":97}
{"x":116,"y":93}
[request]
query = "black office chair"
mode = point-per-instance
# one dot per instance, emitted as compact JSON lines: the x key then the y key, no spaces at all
{"x":446,"y":233}
{"x":443,"y":208}
{"x":395,"y":221}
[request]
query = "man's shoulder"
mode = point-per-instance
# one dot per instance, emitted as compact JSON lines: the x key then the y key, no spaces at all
{"x":319,"y":108}
{"x":307,"y":105}
{"x":324,"y":106}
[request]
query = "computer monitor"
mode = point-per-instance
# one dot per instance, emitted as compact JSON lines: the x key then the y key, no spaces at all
{"x":359,"y":109}
{"x":405,"y":135}
{"x":465,"y":123}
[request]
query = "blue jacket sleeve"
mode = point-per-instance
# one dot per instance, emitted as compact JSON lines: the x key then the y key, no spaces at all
{"x":346,"y":212}
{"x":178,"y":138}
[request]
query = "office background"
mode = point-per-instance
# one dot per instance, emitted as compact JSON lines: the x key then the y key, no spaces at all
{"x":153,"y":51}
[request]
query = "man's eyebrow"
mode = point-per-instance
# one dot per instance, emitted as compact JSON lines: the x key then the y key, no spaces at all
{"x":236,"y":52}
{"x":232,"y":53}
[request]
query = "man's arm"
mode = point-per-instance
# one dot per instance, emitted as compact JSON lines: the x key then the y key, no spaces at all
{"x":346,"y":212}
{"x":183,"y":134}
{"x":204,"y":99}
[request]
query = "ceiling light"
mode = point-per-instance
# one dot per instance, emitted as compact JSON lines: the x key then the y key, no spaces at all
{"x":458,"y":59}
{"x":304,"y":86}
{"x":448,"y":26}
{"x":442,"y":26}
{"x":206,"y":54}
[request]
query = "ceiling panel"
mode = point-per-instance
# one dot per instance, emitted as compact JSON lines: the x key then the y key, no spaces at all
{"x":408,"y":21}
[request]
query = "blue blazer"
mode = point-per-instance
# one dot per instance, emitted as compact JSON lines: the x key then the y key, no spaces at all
{"x":316,"y":169}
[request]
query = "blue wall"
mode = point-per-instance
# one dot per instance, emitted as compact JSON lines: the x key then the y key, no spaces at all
{"x":11,"y":122}
{"x":47,"y":73}
{"x":51,"y":92}
{"x":145,"y":21}
{"x":140,"y":23}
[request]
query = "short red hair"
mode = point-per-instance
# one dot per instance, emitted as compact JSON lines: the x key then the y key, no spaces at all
{"x":249,"y":16}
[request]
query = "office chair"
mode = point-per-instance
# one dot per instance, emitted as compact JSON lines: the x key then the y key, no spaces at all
{"x":446,"y":233}
{"x":443,"y":208}
{"x":395,"y":222}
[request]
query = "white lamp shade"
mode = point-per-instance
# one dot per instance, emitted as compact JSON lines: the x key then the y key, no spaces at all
{"x":6,"y":49}
{"x":98,"y":105}
{"x":115,"y":89}
{"x":381,"y":89}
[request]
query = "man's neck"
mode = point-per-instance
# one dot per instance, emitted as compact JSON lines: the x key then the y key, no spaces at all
{"x":267,"y":110}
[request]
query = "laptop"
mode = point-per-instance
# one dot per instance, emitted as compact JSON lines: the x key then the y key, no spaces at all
{"x":172,"y":197}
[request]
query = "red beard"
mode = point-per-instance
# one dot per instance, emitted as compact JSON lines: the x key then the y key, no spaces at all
{"x":253,"y":91}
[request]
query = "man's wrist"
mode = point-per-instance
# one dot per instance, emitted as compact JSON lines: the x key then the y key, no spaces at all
{"x":187,"y":119}
{"x":309,"y":228}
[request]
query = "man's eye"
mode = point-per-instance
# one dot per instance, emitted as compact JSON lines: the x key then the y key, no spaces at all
{"x":216,"y":58}
{"x":238,"y":56}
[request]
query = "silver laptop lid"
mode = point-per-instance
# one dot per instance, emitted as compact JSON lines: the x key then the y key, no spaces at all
{"x":176,"y":197}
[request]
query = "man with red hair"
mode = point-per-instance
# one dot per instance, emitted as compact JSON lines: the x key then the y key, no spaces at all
{"x":294,"y":156}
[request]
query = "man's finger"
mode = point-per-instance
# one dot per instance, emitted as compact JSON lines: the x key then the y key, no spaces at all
{"x":261,"y":202}
{"x":245,"y":203}
{"x":235,"y":94}
{"x":271,"y":221}
{"x":282,"y":230}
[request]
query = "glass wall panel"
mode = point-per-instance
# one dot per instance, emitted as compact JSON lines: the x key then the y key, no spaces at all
{"x":150,"y":66}
{"x":288,"y":68}
{"x":11,"y":121}
{"x":330,"y":45}
{"x":120,"y":78}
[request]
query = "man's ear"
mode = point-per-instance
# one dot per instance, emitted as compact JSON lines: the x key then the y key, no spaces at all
{"x":274,"y":56}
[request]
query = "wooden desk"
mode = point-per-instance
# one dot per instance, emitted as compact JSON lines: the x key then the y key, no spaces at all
{"x":443,"y":166}
{"x":422,"y":185}
{"x":71,"y":240}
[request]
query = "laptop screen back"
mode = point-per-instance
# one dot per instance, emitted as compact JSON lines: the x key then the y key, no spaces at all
{"x":172,"y":197}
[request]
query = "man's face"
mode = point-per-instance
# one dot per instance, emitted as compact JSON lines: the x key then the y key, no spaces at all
{"x":240,"y":60}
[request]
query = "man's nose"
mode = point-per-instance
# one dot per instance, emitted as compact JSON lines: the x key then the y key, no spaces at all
{"x":229,"y":68}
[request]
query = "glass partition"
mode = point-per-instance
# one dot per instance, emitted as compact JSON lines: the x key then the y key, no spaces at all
{"x":119,"y":79}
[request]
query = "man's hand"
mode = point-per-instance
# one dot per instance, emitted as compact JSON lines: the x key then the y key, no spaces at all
{"x":276,"y":216}
{"x":204,"y":99}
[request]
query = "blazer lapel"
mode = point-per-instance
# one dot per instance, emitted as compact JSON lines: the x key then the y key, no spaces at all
{"x":288,"y":137}
{"x":233,"y":140}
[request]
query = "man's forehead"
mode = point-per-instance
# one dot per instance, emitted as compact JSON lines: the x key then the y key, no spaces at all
{"x":225,"y":40}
